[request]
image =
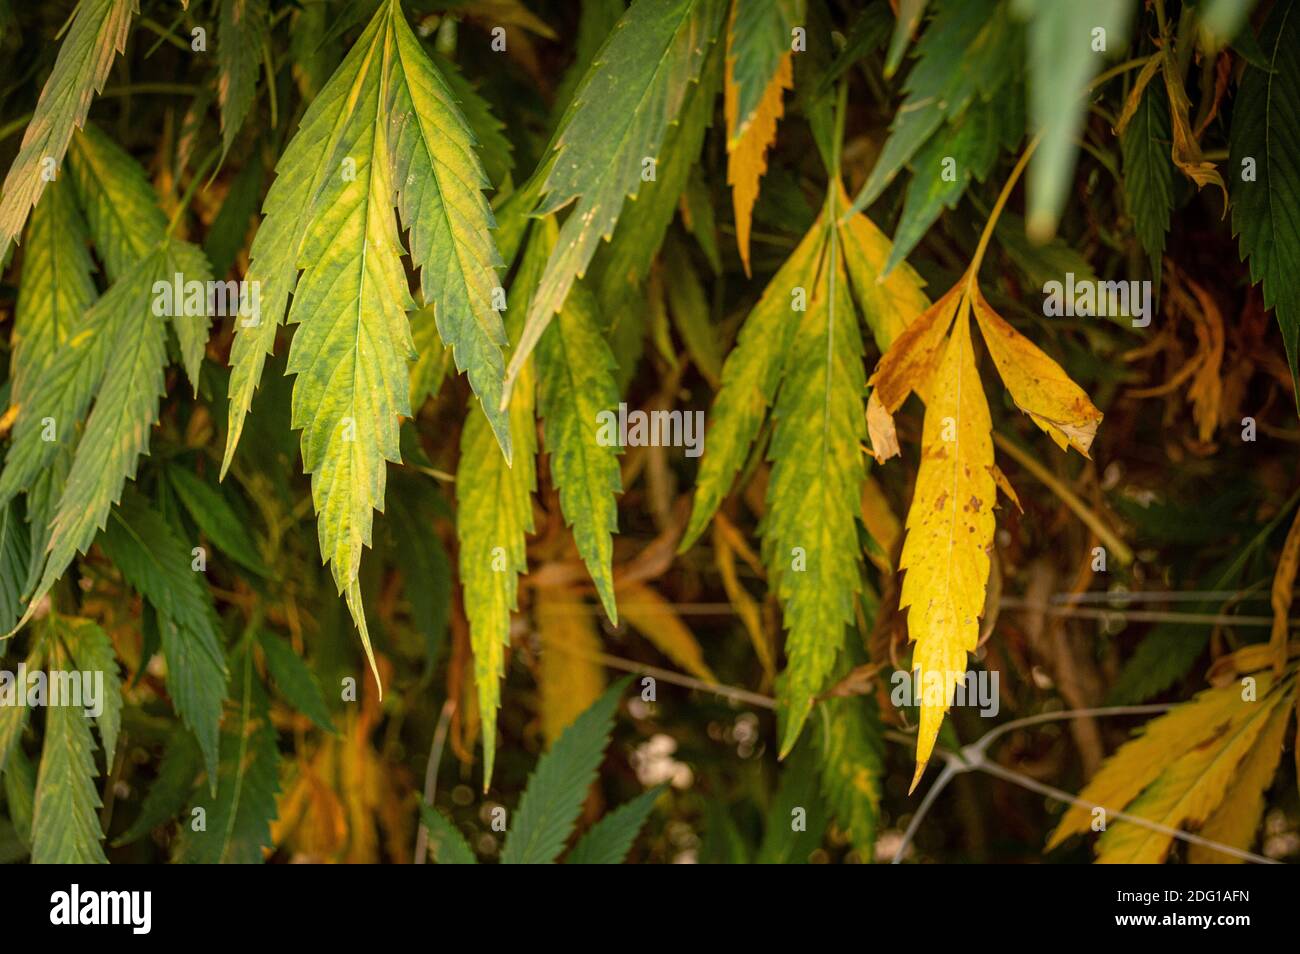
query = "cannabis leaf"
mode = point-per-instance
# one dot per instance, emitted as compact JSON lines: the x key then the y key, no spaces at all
{"x":96,"y":35}
{"x":1265,"y":205}
{"x":384,"y":130}
{"x":614,"y":128}
{"x":241,"y":34}
{"x":570,"y":677}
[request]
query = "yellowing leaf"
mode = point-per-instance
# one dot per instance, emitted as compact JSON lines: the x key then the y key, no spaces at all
{"x":1037,"y":384}
{"x":1186,"y":151}
{"x":569,"y":675}
{"x":746,"y":606}
{"x":653,"y":617}
{"x":880,"y":428}
{"x":1236,"y":819}
{"x":1283,"y":592}
{"x":1189,"y":790}
{"x":747,"y":153}
{"x":911,"y":360}
{"x":949,"y":533}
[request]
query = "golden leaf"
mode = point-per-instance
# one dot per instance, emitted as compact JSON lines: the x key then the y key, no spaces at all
{"x":747,"y":153}
{"x":910,"y":361}
{"x":1038,"y":384}
{"x":1236,"y":819}
{"x":949,"y":532}
{"x":570,"y":676}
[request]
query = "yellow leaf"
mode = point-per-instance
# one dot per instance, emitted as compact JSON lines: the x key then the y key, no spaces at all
{"x":1186,"y":151}
{"x":570,"y":676}
{"x":1141,"y":760}
{"x":949,"y":532}
{"x":747,"y":153}
{"x":880,"y":428}
{"x":1236,"y":820}
{"x":880,"y":520}
{"x":1283,"y":591}
{"x":889,"y":306}
{"x":1038,"y":384}
{"x":745,"y":605}
{"x":1190,"y":789}
{"x":653,"y":617}
{"x":910,"y":361}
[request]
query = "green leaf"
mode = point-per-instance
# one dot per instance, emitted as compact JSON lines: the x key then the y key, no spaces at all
{"x":575,"y":391}
{"x":229,"y":229}
{"x":156,"y":562}
{"x":750,"y":378}
{"x":13,"y":719}
{"x":487,"y":131}
{"x":382,"y":131}
{"x":814,"y":493}
{"x":1149,"y":172}
{"x":56,"y":286}
{"x":553,"y":797}
{"x":20,"y":795}
{"x":607,"y":842}
{"x":241,"y":34}
{"x":238,"y":817}
{"x":909,"y":18}
{"x":619,"y":118}
{"x":14,"y":556}
{"x":295,"y":680}
{"x":177,"y":773}
{"x":65,"y":822}
{"x":494,"y":514}
{"x":92,"y":651}
{"x":796,"y":817}
{"x":430,"y":366}
{"x":98,"y":32}
{"x":117,"y":431}
{"x":216,"y":518}
{"x":1062,"y":63}
{"x":761,"y":33}
{"x":447,"y":846}
{"x":1266,"y":209}
{"x":850,"y":760}
{"x":691,"y":313}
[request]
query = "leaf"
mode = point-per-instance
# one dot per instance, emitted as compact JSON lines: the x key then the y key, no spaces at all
{"x":750,"y":136}
{"x":65,"y":821}
{"x":888,"y":299}
{"x":426,"y":569}
{"x":1148,"y":173}
{"x":575,"y":393}
{"x":850,"y":761}
{"x":92,"y":652}
{"x":654,"y":618}
{"x":1037,"y":384}
{"x":1237,"y":818}
{"x":1062,"y":63}
{"x":570,"y":675}
{"x":216,"y":518}
{"x":1189,"y":789}
{"x":1185,"y":729}
{"x":431,"y":365}
{"x":295,"y":680}
{"x":97,"y":34}
{"x":494,"y":514}
{"x":1266,"y":208}
{"x":607,"y":842}
{"x":949,"y":532}
{"x":14,"y":557}
{"x":56,"y":286}
{"x":241,"y":35}
{"x":691,"y":313}
{"x":810,"y":542}
{"x":177,"y":772}
{"x":20,"y":796}
{"x":797,"y":798}
{"x":488,"y":131}
{"x":555,"y":791}
{"x":117,"y":431}
{"x":156,"y":562}
{"x":618,"y":119}
{"x":447,"y":846}
{"x":750,"y":378}
{"x":238,"y":816}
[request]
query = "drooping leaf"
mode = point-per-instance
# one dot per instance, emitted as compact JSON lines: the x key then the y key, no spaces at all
{"x":1264,"y":159}
{"x":157,"y":563}
{"x":447,"y":846}
{"x":241,"y":33}
{"x":214,"y":515}
{"x":615,"y":126}
{"x":92,"y":652}
{"x":96,"y":35}
{"x":1148,"y":173}
{"x":181,"y":764}
{"x":654,"y":618}
{"x":554,"y":793}
{"x":294,"y":680}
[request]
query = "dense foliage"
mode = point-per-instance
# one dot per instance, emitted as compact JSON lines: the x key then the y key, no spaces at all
{"x":488,"y":430}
